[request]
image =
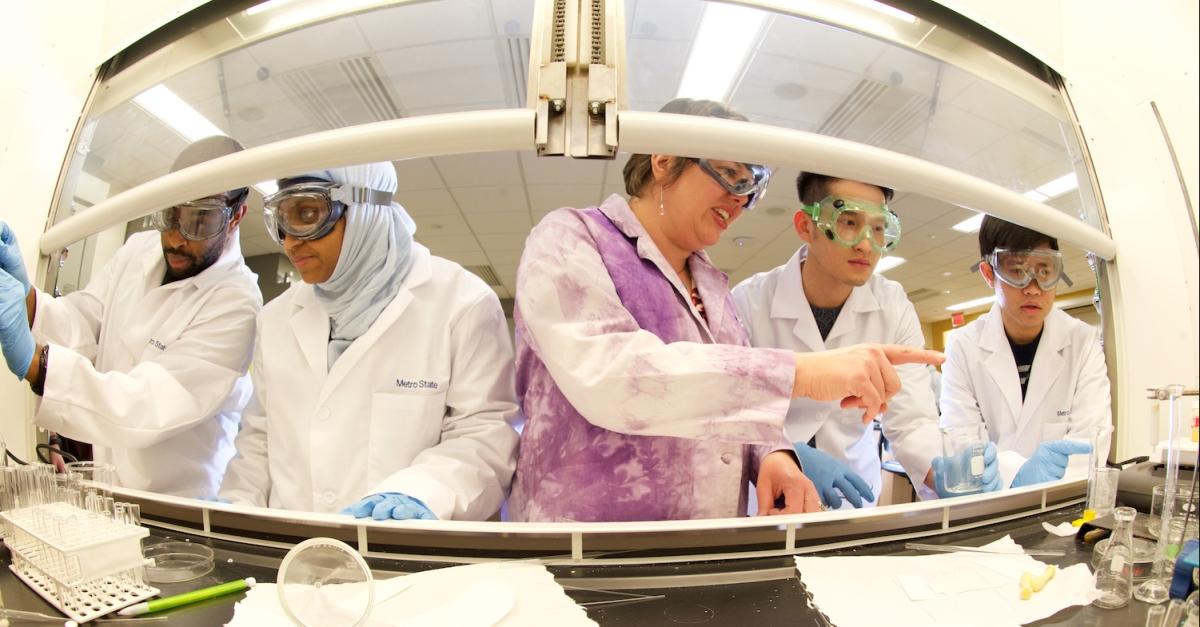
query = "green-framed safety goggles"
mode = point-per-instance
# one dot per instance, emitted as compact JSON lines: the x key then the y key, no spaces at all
{"x":849,"y":221}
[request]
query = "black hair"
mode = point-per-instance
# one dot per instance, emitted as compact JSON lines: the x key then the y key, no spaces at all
{"x":812,"y":188}
{"x":996,"y":233}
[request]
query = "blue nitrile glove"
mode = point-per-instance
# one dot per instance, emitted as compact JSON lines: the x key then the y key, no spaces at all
{"x":15,"y":337}
{"x":830,"y":475}
{"x":1049,"y":462}
{"x":214,"y":499}
{"x":10,"y":256}
{"x":390,"y":505}
{"x":961,"y":462}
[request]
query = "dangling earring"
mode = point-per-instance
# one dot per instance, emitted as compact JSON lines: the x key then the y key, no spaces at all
{"x":661,"y":210}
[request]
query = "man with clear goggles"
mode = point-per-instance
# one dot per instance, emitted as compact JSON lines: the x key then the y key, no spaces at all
{"x":827,"y":297}
{"x":1019,"y":268}
{"x":198,"y":220}
{"x":1033,"y":375}
{"x":849,"y":221}
{"x":740,"y":179}
{"x":308,"y":208}
{"x":148,"y":361}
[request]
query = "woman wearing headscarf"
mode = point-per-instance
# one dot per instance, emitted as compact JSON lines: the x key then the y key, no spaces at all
{"x":643,"y":397}
{"x":383,"y":382}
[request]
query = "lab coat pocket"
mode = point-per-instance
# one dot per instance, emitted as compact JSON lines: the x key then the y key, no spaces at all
{"x":402,"y":425}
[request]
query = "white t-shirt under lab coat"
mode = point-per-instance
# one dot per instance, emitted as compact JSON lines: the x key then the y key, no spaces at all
{"x":153,"y":375}
{"x":777,"y":314}
{"x":1066,"y":398}
{"x":419,"y":404}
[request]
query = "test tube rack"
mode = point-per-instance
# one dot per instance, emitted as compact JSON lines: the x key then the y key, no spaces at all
{"x":84,"y":562}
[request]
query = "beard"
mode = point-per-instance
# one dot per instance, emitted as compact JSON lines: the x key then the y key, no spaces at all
{"x":199,"y":263}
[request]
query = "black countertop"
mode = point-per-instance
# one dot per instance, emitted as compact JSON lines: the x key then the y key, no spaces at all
{"x":764,"y":591}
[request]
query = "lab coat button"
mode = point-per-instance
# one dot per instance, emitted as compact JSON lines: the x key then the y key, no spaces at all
{"x":726,"y":458}
{"x":323,"y":414}
{"x":329,"y":498}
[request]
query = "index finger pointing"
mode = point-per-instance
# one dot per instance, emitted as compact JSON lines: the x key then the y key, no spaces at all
{"x":900,"y":354}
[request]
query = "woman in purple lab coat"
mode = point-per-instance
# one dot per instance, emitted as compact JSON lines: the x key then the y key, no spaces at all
{"x":643,"y":397}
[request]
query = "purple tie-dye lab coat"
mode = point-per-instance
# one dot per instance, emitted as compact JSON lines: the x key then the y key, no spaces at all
{"x":637,"y":409}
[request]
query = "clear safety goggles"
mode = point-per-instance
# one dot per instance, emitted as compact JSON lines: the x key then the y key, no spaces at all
{"x":848,"y":221}
{"x":309,"y":210}
{"x":1019,"y":268}
{"x":739,"y":179}
{"x":197,"y":220}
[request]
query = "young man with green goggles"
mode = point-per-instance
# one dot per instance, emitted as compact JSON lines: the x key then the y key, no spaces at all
{"x":1033,"y":375}
{"x":827,"y":297}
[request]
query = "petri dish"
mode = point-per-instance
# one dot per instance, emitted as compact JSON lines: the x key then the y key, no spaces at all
{"x":1143,"y":556}
{"x":176,"y":561}
{"x":323,"y":582}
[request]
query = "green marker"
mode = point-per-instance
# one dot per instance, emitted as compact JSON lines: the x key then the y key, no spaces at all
{"x":158,"y":605}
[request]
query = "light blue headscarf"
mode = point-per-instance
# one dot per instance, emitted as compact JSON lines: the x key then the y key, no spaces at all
{"x":376,"y":256}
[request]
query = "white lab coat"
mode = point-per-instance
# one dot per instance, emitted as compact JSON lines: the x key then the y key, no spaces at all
{"x":1066,"y":398}
{"x":776,"y":312}
{"x":153,"y":375}
{"x":419,"y":404}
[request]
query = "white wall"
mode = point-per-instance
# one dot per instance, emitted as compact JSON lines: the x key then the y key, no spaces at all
{"x":1117,"y":56}
{"x":49,"y":65}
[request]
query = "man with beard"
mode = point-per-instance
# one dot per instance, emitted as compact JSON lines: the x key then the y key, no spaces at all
{"x":148,"y":362}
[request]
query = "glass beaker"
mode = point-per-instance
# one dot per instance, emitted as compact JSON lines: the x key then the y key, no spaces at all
{"x":101,"y":475}
{"x":963,"y":447}
{"x":1102,"y":490}
{"x":1183,"y":513}
{"x":1114,"y":573}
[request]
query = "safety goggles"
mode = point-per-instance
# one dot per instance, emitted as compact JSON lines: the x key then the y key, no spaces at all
{"x":739,"y":179}
{"x":308,"y":210}
{"x":848,"y":221}
{"x":197,"y":220}
{"x":1019,"y":268}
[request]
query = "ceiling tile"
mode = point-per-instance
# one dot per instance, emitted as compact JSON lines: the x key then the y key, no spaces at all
{"x":504,"y":257}
{"x":504,"y":242}
{"x":665,"y":19}
{"x":803,"y":39}
{"x":448,"y":57}
{"x":422,"y":202}
{"x":468,"y":258}
{"x":546,"y":198}
{"x":491,"y":198}
{"x":493,"y":168}
{"x":442,"y":224}
{"x":561,"y":170}
{"x":485,"y":224}
{"x":295,"y":50}
{"x":446,"y":244}
{"x":419,"y":23}
{"x":417,"y":174}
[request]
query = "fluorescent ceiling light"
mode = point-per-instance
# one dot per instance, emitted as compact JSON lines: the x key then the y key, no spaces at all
{"x":266,"y":188}
{"x":885,"y":9}
{"x":265,"y":6}
{"x":971,"y":304}
{"x":171,"y":110}
{"x":723,"y":42}
{"x":1035,"y":196}
{"x":887,"y":263}
{"x":1059,"y":186}
{"x":970,"y":225}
